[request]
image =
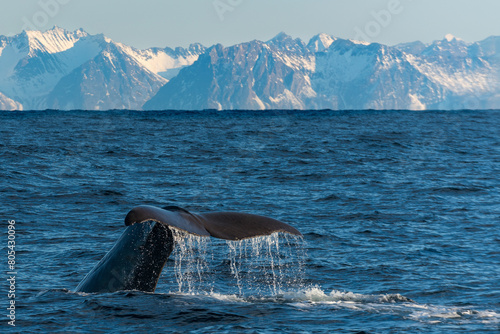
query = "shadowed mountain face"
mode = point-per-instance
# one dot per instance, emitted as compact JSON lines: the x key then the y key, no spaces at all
{"x":332,"y":73}
{"x":74,"y":70}
{"x":111,"y":80}
{"x":252,"y":75}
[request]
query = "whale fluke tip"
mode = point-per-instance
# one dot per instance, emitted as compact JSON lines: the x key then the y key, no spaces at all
{"x":222,"y":225}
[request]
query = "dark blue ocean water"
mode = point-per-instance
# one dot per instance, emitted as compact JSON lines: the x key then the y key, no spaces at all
{"x":400,"y":213}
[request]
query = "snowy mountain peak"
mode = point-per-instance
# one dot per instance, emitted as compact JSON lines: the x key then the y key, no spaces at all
{"x":57,"y":29}
{"x":283,"y":39}
{"x":282,"y":36}
{"x":451,"y":38}
{"x":196,"y":48}
{"x":286,"y":42}
{"x":81,"y":33}
{"x":320,"y":42}
{"x":452,"y":41}
{"x":60,"y":69}
{"x":54,"y":40}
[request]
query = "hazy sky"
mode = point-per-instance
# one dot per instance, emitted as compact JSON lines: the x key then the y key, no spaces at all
{"x":146,"y":23}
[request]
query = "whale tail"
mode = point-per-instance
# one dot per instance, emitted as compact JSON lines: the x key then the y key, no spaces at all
{"x":136,"y":260}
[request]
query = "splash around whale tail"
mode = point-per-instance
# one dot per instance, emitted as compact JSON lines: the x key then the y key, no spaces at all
{"x":136,"y":260}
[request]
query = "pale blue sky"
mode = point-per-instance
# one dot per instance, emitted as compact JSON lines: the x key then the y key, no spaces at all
{"x":145,"y":23}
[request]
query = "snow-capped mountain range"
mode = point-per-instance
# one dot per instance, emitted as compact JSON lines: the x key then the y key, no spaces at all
{"x":59,"y":69}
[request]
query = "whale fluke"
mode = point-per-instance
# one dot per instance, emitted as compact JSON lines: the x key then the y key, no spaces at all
{"x":222,"y":225}
{"x":136,"y":260}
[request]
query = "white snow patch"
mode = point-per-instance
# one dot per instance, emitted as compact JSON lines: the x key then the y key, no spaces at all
{"x":61,"y":52}
{"x":416,"y":104}
{"x":321,"y":42}
{"x":450,"y":38}
{"x":456,"y":80}
{"x":9,"y":104}
{"x":359,"y":42}
{"x":285,"y":99}
{"x":297,"y":62}
{"x":259,"y":102}
{"x":53,"y":41}
{"x":159,"y":61}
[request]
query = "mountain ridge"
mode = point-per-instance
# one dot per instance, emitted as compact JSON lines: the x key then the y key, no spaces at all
{"x":36,"y":69}
{"x":60,"y":69}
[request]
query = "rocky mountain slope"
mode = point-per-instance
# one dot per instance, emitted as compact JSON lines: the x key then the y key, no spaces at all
{"x":331,"y":73}
{"x":252,"y":75}
{"x":59,"y":69}
{"x":74,"y":70}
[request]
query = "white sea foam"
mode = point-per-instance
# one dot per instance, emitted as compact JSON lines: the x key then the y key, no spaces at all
{"x":388,"y":303}
{"x":396,"y":304}
{"x":271,"y":270}
{"x":317,"y":295}
{"x":436,"y":314}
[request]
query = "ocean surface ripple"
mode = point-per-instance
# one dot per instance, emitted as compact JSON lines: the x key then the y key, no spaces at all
{"x":400,"y":213}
